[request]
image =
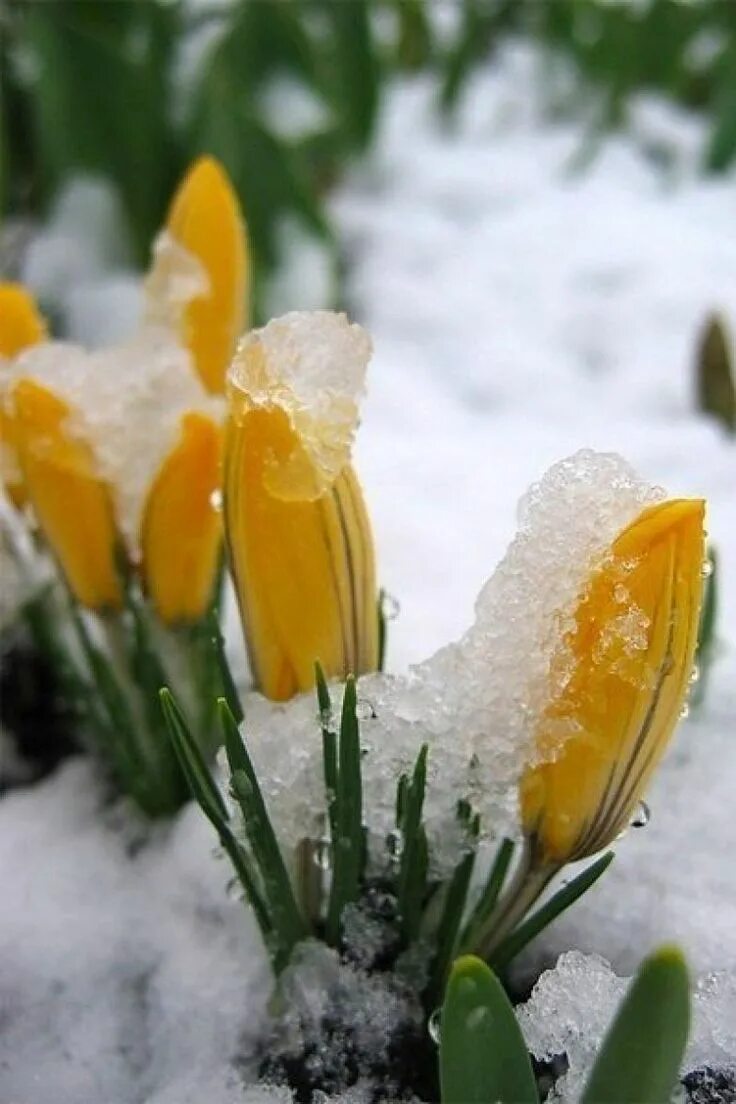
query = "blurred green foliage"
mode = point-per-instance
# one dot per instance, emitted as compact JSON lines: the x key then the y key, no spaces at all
{"x":134,"y":89}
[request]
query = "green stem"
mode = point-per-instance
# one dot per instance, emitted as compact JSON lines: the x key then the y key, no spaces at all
{"x":527,"y":884}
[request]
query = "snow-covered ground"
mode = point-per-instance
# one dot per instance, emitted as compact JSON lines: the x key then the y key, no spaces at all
{"x":520,"y":310}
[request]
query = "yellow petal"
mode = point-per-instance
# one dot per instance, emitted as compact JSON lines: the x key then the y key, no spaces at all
{"x":303,"y":566}
{"x":72,"y":505}
{"x":623,"y":672}
{"x":205,"y":218}
{"x":21,"y":325}
{"x":181,"y":532}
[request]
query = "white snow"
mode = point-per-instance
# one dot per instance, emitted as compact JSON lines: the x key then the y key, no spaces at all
{"x":572,"y":1007}
{"x":311,"y":365}
{"x":126,"y":402}
{"x":520,"y":310}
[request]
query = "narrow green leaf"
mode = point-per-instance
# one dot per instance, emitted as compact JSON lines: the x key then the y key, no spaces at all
{"x":716,"y":385}
{"x":356,"y":67}
{"x":229,"y":690}
{"x":448,"y":929}
{"x":640,"y":1057}
{"x":349,"y":848}
{"x":204,"y":789}
{"x":283,"y":906}
{"x":549,"y":911}
{"x":414,"y":857}
{"x":329,"y":748}
{"x":382,"y":629}
{"x":483,"y":1056}
{"x":207,"y":794}
{"x":490,"y":893}
{"x":707,"y":631}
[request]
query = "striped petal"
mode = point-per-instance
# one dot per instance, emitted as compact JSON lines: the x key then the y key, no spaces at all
{"x":303,"y":565}
{"x":181,"y":532}
{"x":623,"y":675}
{"x":21,"y":325}
{"x":71,"y":504}
{"x":205,"y":219}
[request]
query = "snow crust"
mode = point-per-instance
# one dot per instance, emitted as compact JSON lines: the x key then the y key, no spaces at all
{"x":311,"y":365}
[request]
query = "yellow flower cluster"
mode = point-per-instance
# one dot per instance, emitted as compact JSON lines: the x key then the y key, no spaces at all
{"x":51,"y":465}
{"x":300,"y":545}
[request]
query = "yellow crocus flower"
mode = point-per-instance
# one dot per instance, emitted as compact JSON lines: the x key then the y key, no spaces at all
{"x":623,"y":674}
{"x":181,"y":529}
{"x":299,"y":543}
{"x":21,"y":325}
{"x":71,"y":503}
{"x":206,"y":220}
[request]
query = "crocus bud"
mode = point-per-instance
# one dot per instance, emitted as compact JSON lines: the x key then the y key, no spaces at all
{"x":71,"y":503}
{"x":297,"y":530}
{"x":206,"y":222}
{"x":621,"y":680}
{"x":21,"y":325}
{"x":181,"y":529}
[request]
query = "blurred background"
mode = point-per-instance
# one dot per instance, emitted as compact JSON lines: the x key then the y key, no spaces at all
{"x":288,"y":93}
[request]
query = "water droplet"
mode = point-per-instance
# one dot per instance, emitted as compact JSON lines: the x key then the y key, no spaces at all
{"x":434,"y":1026}
{"x":216,"y":500}
{"x":322,"y":853}
{"x":233,"y":889}
{"x":685,"y":711}
{"x":694,"y":674}
{"x":395,"y":844}
{"x":706,"y":569}
{"x":364,"y":710}
{"x":620,"y":593}
{"x":642,"y":816}
{"x":390,"y":606}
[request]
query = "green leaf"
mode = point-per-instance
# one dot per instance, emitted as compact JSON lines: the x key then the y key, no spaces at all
{"x":707,"y":641}
{"x":721,"y":151}
{"x":453,"y":909}
{"x":202,"y":785}
{"x":549,"y":911}
{"x":382,"y":630}
{"x":356,"y":69}
{"x":490,"y":893}
{"x":100,"y":99}
{"x":329,"y":748}
{"x":349,"y":844}
{"x":639,"y":1060}
{"x":483,"y":1056}
{"x":229,"y":689}
{"x":207,"y":794}
{"x":716,"y":385}
{"x":414,"y":858}
{"x":283,"y":908}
